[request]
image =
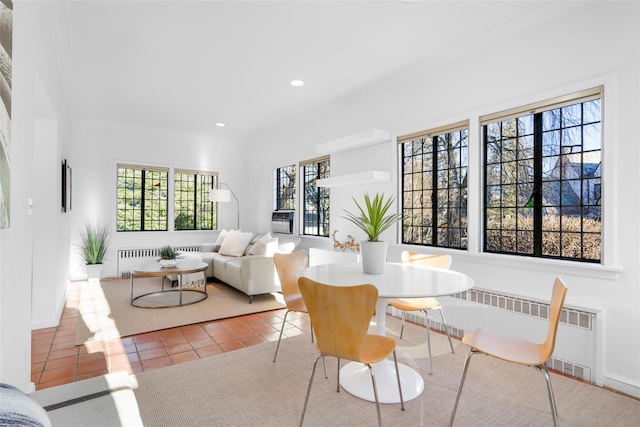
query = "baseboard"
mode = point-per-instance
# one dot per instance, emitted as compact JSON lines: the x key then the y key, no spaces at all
{"x":623,"y":385}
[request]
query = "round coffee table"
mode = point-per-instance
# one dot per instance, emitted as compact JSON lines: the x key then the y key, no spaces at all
{"x":172,"y":297}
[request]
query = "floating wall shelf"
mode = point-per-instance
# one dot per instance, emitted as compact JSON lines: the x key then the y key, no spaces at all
{"x":368,"y":177}
{"x":352,"y":142}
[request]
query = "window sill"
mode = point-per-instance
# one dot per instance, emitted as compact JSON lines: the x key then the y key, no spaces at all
{"x":560,"y":266}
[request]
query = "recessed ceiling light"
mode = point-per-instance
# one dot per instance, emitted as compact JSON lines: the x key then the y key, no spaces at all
{"x":297,"y":83}
{"x":220,"y":125}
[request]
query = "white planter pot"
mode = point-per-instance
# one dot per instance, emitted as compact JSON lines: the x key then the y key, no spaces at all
{"x":168,"y":262}
{"x":94,"y":272}
{"x":374,"y":256}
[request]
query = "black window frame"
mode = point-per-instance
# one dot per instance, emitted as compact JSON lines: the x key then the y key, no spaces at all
{"x":200,"y":213}
{"x":315,"y":200}
{"x":137,"y":208}
{"x":441,"y":176}
{"x":285,"y":188}
{"x":559,"y":184}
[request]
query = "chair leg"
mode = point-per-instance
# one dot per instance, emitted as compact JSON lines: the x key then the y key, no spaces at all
{"x":311,"y":324}
{"x":338,"y":380}
{"x":280,"y":337}
{"x":464,"y":374}
{"x":306,"y":400}
{"x":426,"y":321}
{"x":375,"y":394}
{"x":552,"y":400}
{"x":446,"y":329}
{"x":402,"y":327}
{"x":395,"y":362}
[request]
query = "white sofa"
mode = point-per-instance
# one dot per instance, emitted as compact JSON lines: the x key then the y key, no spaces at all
{"x":248,"y":269}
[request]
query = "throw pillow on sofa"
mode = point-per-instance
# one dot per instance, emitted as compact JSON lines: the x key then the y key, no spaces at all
{"x":267,"y":245}
{"x":235,"y":243}
{"x":219,"y":241}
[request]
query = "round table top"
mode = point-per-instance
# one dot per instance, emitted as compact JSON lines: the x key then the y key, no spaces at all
{"x":184,"y":266}
{"x":398,"y":280}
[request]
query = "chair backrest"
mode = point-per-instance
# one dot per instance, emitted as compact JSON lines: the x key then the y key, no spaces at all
{"x":439,"y":261}
{"x":555,"y":311}
{"x":288,"y":266}
{"x":340,"y":316}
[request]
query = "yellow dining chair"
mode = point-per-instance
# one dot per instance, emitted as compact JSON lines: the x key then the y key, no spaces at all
{"x":341,"y":317}
{"x":288,"y":266}
{"x":423,"y":304}
{"x":518,"y":350}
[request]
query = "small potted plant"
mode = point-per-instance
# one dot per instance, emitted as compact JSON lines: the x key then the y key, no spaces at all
{"x":95,"y":244}
{"x":168,"y":257}
{"x":373,"y":220}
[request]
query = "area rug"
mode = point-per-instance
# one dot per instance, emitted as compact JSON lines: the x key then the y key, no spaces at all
{"x":246,"y":388}
{"x":106,"y":312}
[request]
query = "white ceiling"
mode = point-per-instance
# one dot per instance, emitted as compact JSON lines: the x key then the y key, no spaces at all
{"x":184,"y":65}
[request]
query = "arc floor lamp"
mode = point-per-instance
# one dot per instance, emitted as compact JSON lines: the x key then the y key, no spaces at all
{"x":224,"y":195}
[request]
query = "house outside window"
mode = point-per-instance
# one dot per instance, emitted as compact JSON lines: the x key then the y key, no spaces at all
{"x":142,"y":198}
{"x":315,"y":203}
{"x":434,"y":186}
{"x":543,"y":173}
{"x":192,"y":208}
{"x":285,"y":188}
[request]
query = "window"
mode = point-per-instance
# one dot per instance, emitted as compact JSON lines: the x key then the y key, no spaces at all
{"x":315,"y":203}
{"x":434,"y":187}
{"x":142,"y":198}
{"x":192,"y":208}
{"x":285,"y":186}
{"x":543,"y":179}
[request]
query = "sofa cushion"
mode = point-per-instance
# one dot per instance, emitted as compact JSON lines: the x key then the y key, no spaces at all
{"x":235,"y":243}
{"x":266,"y":247}
{"x":219,"y":241}
{"x":18,"y":409}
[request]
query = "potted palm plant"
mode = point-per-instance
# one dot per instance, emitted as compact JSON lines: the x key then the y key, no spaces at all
{"x":373,"y":220}
{"x":95,"y":244}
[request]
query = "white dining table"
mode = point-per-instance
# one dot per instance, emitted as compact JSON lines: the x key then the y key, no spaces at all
{"x":398,"y":281}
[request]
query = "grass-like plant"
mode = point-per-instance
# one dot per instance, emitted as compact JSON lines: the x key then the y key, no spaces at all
{"x":373,"y":218}
{"x":95,"y":243}
{"x":167,"y":252}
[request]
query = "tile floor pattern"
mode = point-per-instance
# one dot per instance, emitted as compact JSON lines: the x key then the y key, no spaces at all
{"x":56,"y":360}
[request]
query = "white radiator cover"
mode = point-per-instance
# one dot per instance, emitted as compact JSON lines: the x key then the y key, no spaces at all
{"x":578,"y":343}
{"x":129,"y":258}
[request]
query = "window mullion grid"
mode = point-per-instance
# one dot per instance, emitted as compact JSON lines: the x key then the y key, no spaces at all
{"x":434,"y":190}
{"x":537,"y":185}
{"x":143,"y":198}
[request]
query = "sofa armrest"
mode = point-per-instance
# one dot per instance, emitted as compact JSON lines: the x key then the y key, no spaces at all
{"x":206,"y":247}
{"x":106,"y":400}
{"x":259,"y":274}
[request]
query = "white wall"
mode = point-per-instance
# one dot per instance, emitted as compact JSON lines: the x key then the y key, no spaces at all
{"x":39,"y":113}
{"x":99,"y":147}
{"x":597,"y":44}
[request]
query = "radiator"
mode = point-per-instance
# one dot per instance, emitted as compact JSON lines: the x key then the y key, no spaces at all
{"x":577,"y":343}
{"x":129,"y":258}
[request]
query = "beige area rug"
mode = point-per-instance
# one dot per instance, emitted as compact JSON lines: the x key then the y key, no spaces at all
{"x":106,"y":311}
{"x":245,"y":388}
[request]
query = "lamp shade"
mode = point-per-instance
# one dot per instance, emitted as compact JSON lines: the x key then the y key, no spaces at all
{"x":219,"y":195}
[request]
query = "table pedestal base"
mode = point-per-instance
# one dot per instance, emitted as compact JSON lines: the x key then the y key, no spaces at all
{"x":356,"y":379}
